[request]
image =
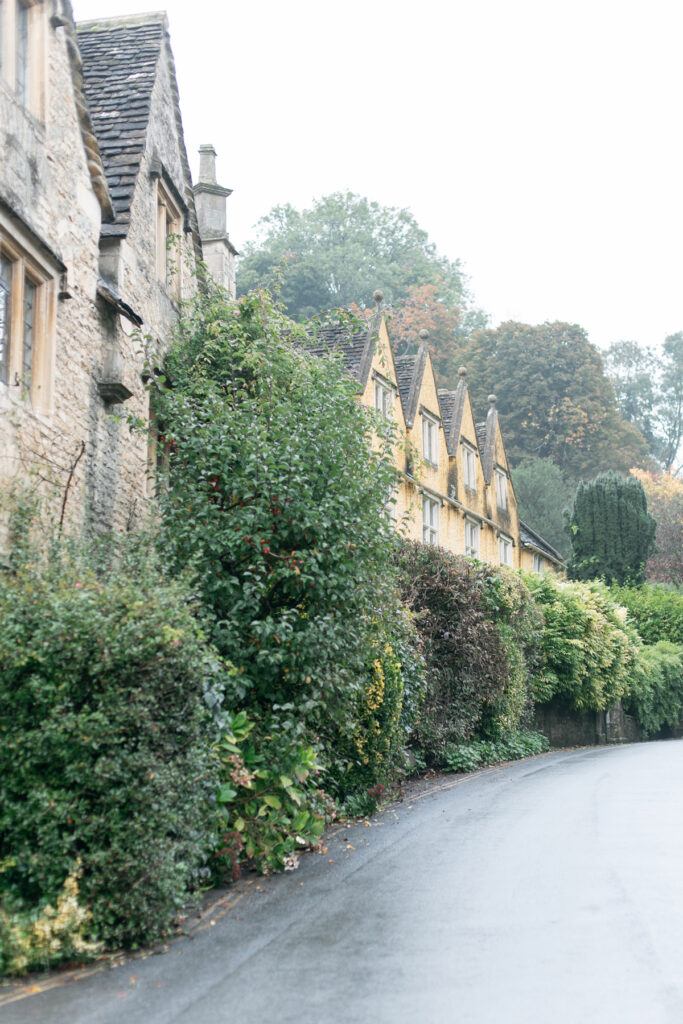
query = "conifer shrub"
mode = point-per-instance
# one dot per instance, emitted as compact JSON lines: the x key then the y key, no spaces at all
{"x":655,"y":697}
{"x":611,"y":531}
{"x":479,"y":629}
{"x":109,"y":696}
{"x":655,"y":609}
{"x":588,"y":649}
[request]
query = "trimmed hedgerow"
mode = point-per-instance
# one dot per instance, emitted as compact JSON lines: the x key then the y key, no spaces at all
{"x":655,"y":609}
{"x":479,"y":629}
{"x":588,"y":648}
{"x":655,"y":698}
{"x":106,"y":684}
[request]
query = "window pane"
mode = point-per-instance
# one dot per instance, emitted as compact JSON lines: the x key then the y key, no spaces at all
{"x":29,"y":314}
{"x":5,"y":306}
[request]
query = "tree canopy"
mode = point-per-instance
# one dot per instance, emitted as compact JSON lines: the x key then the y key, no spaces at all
{"x":554,"y":399}
{"x":340,"y":250}
{"x":665,"y":500}
{"x":649,"y":390}
{"x":542,"y":495}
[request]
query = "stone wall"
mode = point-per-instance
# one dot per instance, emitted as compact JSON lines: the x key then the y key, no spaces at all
{"x":46,"y":181}
{"x":567,"y":728}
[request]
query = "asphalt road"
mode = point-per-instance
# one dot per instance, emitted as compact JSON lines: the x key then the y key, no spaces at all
{"x":546,"y":891}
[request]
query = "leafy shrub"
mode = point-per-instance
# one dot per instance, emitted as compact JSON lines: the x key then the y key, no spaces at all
{"x":374,"y":750}
{"x":269,"y":805}
{"x":655,"y":698}
{"x":46,"y":936}
{"x":275,"y":494}
{"x":588,"y":648}
{"x":105,"y":734}
{"x":479,"y":629}
{"x":467,"y":757}
{"x":656,"y":611}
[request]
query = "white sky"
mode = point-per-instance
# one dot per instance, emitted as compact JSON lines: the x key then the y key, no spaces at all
{"x":538,"y":141}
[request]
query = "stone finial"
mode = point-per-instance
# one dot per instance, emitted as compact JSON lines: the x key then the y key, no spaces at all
{"x":378,"y":296}
{"x":492,"y":399}
{"x":207,"y":164}
{"x":462,"y":371}
{"x":424,"y":334}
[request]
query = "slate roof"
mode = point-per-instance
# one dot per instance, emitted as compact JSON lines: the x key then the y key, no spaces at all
{"x":120,"y":57}
{"x":409,"y":372}
{"x":529,"y":538}
{"x":355,"y":347}
{"x":452,"y":407}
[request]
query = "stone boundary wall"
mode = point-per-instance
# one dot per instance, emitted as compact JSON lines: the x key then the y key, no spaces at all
{"x":564,"y":727}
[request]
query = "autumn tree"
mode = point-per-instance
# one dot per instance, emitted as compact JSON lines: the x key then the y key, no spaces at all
{"x":554,"y":399}
{"x":447,"y":326}
{"x":340,"y":250}
{"x":611,"y":531}
{"x":665,"y":500}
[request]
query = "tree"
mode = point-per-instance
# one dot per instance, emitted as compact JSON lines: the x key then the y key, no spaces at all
{"x":340,"y":250}
{"x":274,"y":497}
{"x":554,"y":399}
{"x":447,"y":326}
{"x":611,"y":531}
{"x":542,"y":495}
{"x":649,"y":390}
{"x":665,"y":500}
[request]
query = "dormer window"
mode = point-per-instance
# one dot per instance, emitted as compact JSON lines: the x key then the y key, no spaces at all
{"x":430,"y":438}
{"x":501,"y":490}
{"x":22,"y":53}
{"x":469,"y":466}
{"x":384,"y":399}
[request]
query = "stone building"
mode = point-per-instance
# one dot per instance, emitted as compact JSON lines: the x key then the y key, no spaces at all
{"x":101,"y":230}
{"x":453,"y":479}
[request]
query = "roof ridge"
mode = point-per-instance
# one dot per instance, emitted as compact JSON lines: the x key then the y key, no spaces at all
{"x":123,"y":21}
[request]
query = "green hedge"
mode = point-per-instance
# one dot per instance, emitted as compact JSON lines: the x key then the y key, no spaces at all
{"x":655,"y":698}
{"x":588,"y":648}
{"x":655,"y":609}
{"x":479,"y":629}
{"x":105,"y":733}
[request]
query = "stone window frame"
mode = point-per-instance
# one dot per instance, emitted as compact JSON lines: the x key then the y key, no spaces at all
{"x":24,"y":74}
{"x":28,"y":266}
{"x":169,"y":230}
{"x":430,"y":438}
{"x":469,"y":462}
{"x":501,"y":481}
{"x":505,"y":546}
{"x":472,"y":532}
{"x":430,"y":519}
{"x":385,"y":395}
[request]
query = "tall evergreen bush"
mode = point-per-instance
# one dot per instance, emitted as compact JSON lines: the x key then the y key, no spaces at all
{"x":610,"y":530}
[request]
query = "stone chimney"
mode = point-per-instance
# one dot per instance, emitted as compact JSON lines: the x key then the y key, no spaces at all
{"x":210,"y":202}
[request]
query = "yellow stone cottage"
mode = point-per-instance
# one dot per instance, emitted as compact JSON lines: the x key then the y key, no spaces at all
{"x":453,"y":479}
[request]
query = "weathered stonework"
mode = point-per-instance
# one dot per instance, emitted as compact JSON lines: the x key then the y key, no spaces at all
{"x":81,"y":197}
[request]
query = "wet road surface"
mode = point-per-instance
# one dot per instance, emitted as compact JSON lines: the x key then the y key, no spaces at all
{"x":550,"y":890}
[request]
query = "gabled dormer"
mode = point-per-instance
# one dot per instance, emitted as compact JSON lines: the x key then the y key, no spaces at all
{"x":427,"y":453}
{"x":130,"y":86}
{"x":501,"y":501}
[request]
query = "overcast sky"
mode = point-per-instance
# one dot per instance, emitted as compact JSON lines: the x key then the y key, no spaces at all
{"x":538,"y":141}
